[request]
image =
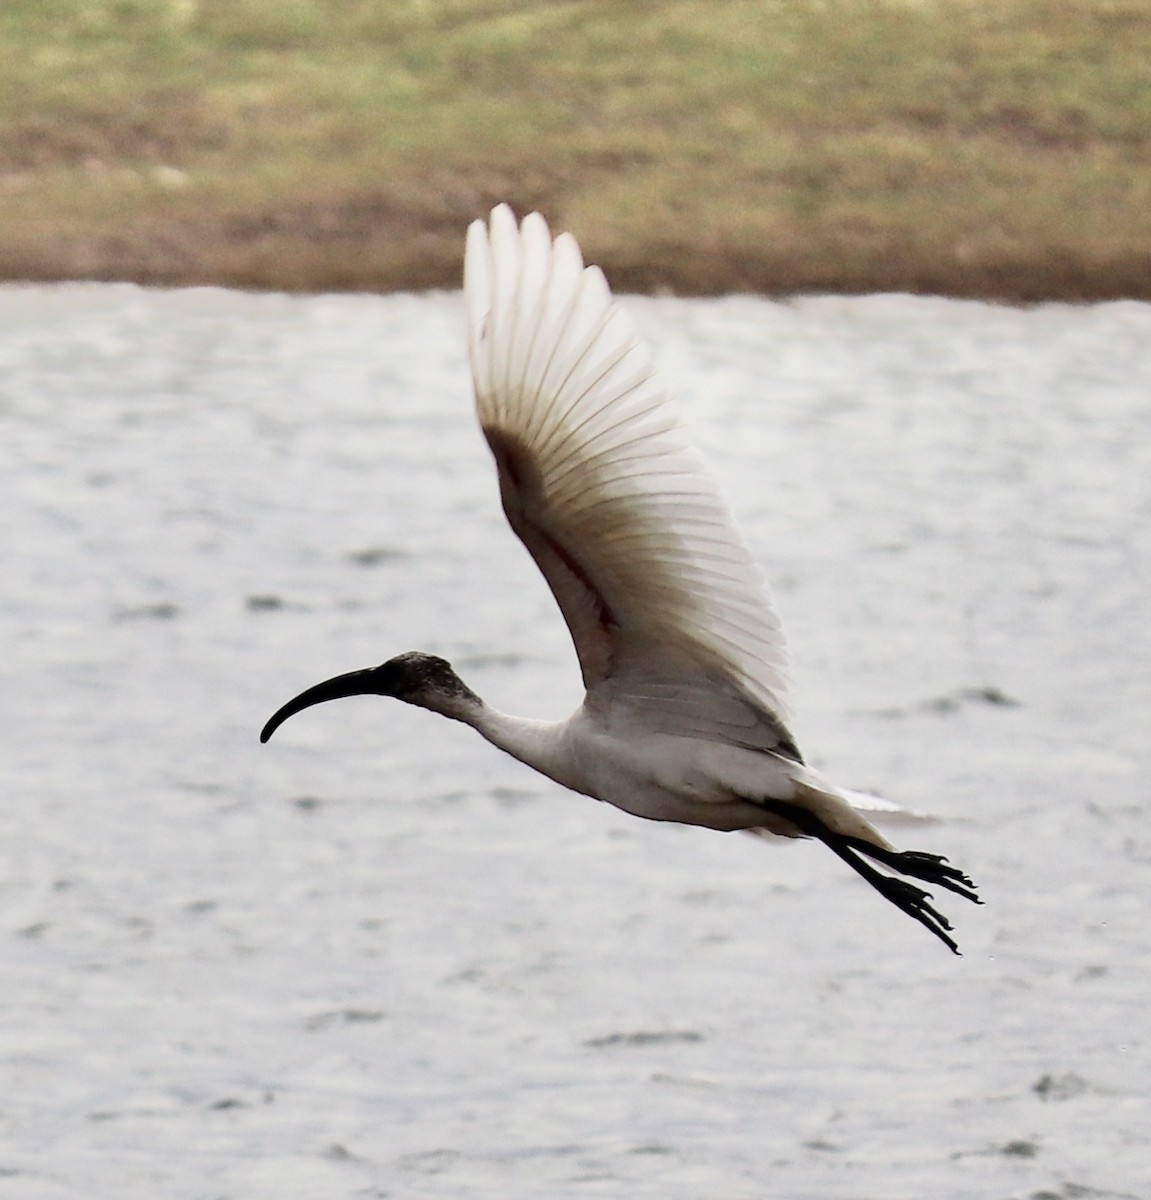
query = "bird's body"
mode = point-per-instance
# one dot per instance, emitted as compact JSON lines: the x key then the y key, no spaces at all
{"x":678,"y":642}
{"x":665,"y":776}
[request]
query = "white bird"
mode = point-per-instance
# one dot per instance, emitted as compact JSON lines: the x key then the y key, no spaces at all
{"x":677,"y":639}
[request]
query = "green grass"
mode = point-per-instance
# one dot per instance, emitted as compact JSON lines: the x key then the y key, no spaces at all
{"x":974,"y":147}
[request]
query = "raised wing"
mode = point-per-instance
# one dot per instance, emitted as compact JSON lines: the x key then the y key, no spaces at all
{"x":601,"y":484}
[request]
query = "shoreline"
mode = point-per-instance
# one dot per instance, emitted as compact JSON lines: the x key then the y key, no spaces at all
{"x":343,"y":248}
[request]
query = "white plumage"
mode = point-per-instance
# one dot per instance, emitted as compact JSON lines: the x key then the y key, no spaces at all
{"x":679,"y":645}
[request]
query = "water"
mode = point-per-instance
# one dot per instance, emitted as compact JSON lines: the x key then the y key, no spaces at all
{"x":375,"y":958}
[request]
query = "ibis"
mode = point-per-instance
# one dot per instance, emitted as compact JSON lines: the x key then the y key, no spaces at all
{"x":683,"y":661}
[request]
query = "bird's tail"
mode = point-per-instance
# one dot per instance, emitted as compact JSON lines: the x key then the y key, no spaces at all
{"x":877,"y":808}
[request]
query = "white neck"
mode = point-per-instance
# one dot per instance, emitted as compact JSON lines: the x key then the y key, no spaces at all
{"x":542,"y":745}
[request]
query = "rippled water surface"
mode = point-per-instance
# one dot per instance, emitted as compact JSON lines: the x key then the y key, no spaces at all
{"x":375,"y":958}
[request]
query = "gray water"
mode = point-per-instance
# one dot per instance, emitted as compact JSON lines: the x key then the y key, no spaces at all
{"x":375,"y":958}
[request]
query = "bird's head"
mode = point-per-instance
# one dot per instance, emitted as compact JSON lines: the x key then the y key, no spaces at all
{"x":421,"y":679}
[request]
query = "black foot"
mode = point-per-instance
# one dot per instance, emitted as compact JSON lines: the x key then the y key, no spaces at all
{"x":932,"y":868}
{"x":912,"y":900}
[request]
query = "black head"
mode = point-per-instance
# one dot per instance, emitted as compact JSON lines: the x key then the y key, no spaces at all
{"x":415,"y":678}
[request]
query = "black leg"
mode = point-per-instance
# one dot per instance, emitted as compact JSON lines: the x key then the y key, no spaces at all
{"x":932,"y":868}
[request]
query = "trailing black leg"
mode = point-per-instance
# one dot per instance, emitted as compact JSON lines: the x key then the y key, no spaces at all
{"x":932,"y":868}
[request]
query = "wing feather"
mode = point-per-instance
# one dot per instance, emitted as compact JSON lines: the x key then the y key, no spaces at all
{"x":600,"y":482}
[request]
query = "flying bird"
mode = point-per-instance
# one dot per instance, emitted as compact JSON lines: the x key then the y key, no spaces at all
{"x":679,"y":645}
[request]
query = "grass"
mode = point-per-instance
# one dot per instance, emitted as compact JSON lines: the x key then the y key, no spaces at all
{"x":995,"y":148}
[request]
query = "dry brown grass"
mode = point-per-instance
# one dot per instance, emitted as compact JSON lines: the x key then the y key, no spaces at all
{"x":954,"y":146}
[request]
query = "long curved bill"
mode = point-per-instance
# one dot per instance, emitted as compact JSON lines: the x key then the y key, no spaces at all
{"x":354,"y":683}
